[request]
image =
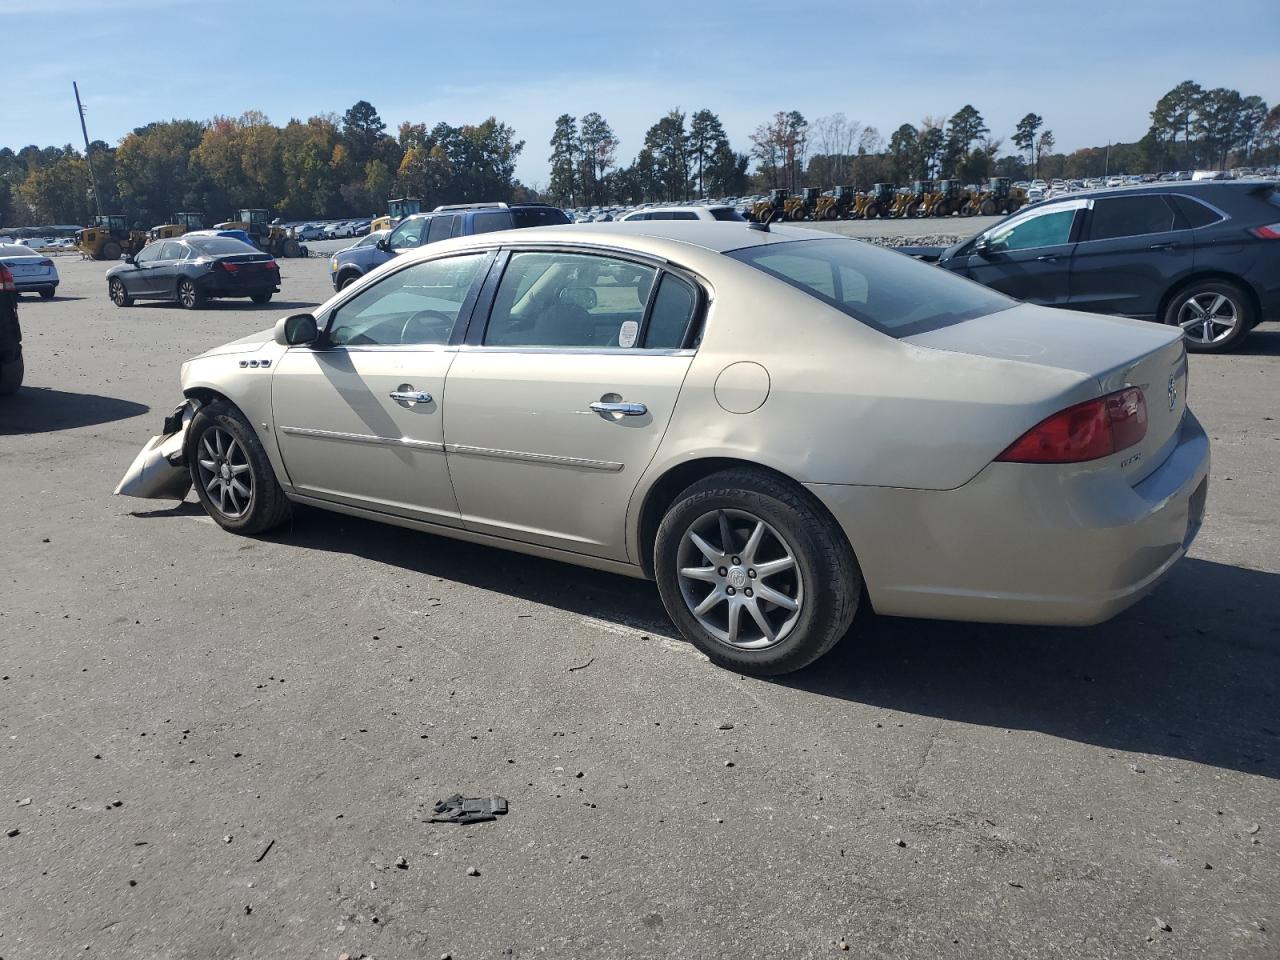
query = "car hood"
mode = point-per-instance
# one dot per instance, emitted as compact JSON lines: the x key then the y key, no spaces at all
{"x":249,"y":344}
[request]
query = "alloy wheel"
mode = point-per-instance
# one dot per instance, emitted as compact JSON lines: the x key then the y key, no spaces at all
{"x":117,"y":293}
{"x":1208,"y":317}
{"x":740,"y":579}
{"x":225,"y":472}
{"x":187,"y":294}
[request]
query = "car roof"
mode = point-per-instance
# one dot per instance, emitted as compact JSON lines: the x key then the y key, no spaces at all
{"x":1183,"y":186}
{"x":717,"y":236}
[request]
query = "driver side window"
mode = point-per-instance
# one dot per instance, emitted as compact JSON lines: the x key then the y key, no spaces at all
{"x":417,"y":305}
{"x":1048,"y":228}
{"x":149,"y":253}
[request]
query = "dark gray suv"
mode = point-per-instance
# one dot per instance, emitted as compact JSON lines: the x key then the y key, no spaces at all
{"x":460,"y":220}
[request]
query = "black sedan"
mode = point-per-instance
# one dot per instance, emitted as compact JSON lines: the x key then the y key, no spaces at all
{"x":1204,"y":256}
{"x":192,"y":270}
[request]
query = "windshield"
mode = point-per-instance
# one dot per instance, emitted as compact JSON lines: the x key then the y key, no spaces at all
{"x":887,"y":291}
{"x":215,"y":246}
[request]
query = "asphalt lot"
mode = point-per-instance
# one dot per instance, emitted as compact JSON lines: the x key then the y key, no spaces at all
{"x":227,"y":743}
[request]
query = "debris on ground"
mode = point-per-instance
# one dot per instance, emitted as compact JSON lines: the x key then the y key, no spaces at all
{"x":25,"y":801}
{"x":265,"y":851}
{"x":472,"y":872}
{"x":899,"y":842}
{"x":402,"y":863}
{"x":583,"y":666}
{"x":1164,"y":925}
{"x":460,"y":809}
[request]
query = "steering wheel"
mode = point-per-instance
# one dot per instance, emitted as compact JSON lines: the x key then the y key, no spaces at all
{"x":424,"y":317}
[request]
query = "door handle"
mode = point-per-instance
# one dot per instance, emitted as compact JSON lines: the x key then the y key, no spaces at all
{"x":608,"y":409}
{"x":1047,"y":258}
{"x":410,"y":396}
{"x":1162,"y":246}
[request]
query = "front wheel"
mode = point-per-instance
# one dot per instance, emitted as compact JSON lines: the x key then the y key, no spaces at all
{"x":190,"y":296}
{"x":292,"y":249}
{"x":1214,"y":315}
{"x":119,"y":296}
{"x":755,"y":574}
{"x":110,"y":250}
{"x":231,"y":473}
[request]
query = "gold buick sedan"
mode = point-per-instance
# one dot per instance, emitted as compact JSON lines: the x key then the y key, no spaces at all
{"x":775,"y":424}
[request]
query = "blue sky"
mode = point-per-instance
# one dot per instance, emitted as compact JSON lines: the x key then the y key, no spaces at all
{"x":1092,"y":69}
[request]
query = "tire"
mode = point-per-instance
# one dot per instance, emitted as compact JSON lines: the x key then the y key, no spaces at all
{"x":11,"y":374}
{"x":261,"y":298}
{"x":823,"y":579}
{"x":291,"y":249}
{"x":872,"y":212}
{"x":110,"y":251}
{"x":912,"y":209}
{"x":987,"y":208}
{"x":1014,"y":206}
{"x":1214,"y":315}
{"x":119,"y":296}
{"x":47,"y":294}
{"x":218,"y":436}
{"x":189,"y":295}
{"x":348,"y":280}
{"x":831,"y":213}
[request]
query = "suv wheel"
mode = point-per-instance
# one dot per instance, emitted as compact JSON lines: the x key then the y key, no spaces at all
{"x":754,"y":574}
{"x":1213,"y":314}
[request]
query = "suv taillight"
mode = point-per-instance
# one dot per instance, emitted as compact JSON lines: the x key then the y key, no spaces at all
{"x":1270,"y":232}
{"x":1087,"y":431}
{"x":6,"y":279}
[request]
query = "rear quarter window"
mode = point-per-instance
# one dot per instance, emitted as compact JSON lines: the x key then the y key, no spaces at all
{"x":522,"y":217}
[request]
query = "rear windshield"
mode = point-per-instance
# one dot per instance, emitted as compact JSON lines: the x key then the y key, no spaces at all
{"x":1274,"y":196}
{"x":538,"y":216}
{"x":726,"y":213}
{"x":213,"y":246}
{"x":888,"y":291}
{"x":18,"y":250}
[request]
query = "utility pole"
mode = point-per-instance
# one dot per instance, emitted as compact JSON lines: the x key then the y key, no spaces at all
{"x":97,"y":200}
{"x":1106,"y":164}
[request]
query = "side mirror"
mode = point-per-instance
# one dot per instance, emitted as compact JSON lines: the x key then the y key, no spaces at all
{"x":982,"y":246}
{"x":130,"y":260}
{"x":296,"y":330}
{"x":384,"y":246}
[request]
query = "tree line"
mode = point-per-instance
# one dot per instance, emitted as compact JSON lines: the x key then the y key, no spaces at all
{"x":326,"y":166}
{"x":334,"y":166}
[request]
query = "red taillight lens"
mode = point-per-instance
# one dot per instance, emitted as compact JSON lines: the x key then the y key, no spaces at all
{"x":46,"y":263}
{"x":270,"y":265}
{"x":1087,"y":431}
{"x":1270,"y":232}
{"x":6,"y":279}
{"x":229,"y":267}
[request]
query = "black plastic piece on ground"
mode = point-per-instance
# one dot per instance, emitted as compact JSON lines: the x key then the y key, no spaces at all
{"x":460,"y":809}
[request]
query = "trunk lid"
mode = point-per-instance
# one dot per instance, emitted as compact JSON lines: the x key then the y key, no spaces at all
{"x":1117,"y":352}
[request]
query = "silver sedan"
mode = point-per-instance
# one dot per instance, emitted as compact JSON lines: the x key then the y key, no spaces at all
{"x":776,"y":425}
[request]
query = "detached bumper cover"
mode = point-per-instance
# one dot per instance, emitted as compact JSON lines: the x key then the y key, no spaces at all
{"x":1015,"y":545}
{"x":159,"y":471}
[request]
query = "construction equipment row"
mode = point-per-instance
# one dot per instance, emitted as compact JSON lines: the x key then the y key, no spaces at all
{"x":924,"y":198}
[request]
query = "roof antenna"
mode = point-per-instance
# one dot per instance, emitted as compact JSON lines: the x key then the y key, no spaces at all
{"x":763,"y":227}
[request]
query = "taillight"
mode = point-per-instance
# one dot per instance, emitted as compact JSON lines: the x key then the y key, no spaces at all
{"x":1270,"y":232}
{"x":6,"y":279}
{"x":229,"y":267}
{"x":1087,"y":431}
{"x":270,"y":265}
{"x":46,"y":263}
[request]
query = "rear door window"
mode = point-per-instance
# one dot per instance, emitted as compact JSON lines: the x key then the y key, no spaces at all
{"x":440,"y":229}
{"x":1114,"y":217}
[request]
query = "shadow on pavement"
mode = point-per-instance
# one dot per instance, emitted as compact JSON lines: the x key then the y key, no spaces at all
{"x":1261,"y":342}
{"x":42,"y":410}
{"x":1191,"y":673}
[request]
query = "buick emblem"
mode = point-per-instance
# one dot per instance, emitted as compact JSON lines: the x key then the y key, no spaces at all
{"x":1173,"y":392}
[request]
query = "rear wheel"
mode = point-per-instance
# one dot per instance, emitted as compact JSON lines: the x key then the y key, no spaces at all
{"x":754,"y":574}
{"x":911,"y":209}
{"x":119,"y":296}
{"x":110,"y":250}
{"x":987,"y":208}
{"x":189,"y":295}
{"x":261,"y":297}
{"x":292,"y":249}
{"x":231,"y":473}
{"x":1214,"y":315}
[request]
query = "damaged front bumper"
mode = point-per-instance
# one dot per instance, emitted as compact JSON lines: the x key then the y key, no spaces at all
{"x":159,"y":471}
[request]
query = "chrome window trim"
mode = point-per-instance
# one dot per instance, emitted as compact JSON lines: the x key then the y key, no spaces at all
{"x":1054,"y":206}
{"x":1222,"y":214}
{"x":585,"y":351}
{"x":1132,"y":236}
{"x":430,"y":445}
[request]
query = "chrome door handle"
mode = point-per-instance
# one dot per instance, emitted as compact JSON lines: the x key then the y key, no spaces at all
{"x":410,"y":396}
{"x":1047,"y":259}
{"x":1163,"y":246}
{"x":626,"y":409}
